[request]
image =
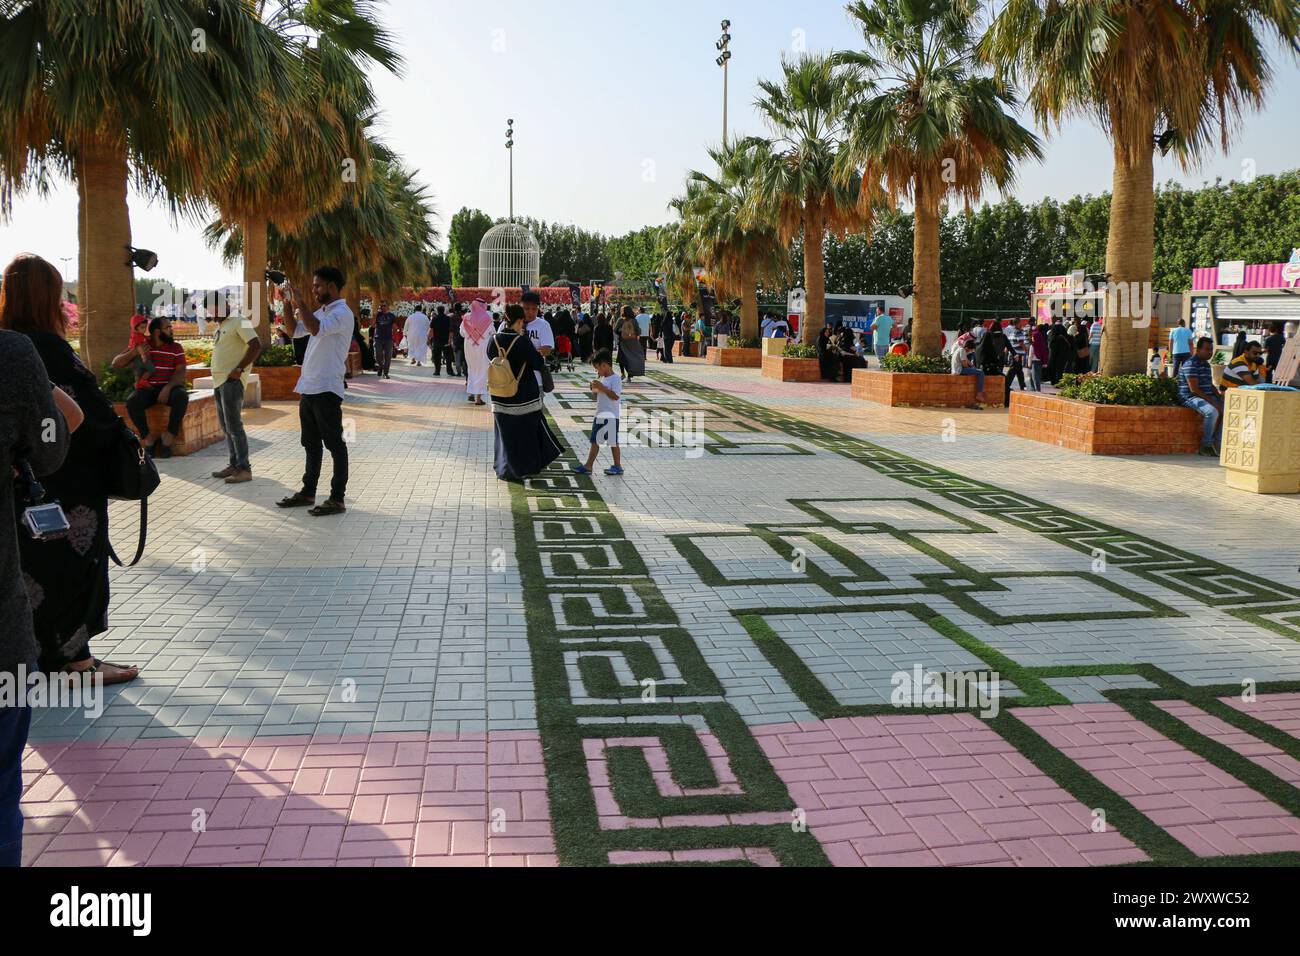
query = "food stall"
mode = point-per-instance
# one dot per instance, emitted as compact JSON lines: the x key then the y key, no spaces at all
{"x":1236,"y":296}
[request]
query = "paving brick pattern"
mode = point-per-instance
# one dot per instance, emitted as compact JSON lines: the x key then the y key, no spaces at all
{"x":362,"y":692}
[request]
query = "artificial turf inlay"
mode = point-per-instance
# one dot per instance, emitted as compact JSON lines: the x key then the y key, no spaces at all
{"x":590,"y":599}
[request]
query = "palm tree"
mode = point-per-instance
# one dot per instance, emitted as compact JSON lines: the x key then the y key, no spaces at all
{"x":322,"y":130}
{"x":925,"y":124}
{"x":382,"y":234}
{"x":1170,"y":73}
{"x":799,"y":182}
{"x":114,"y":91}
{"x":720,"y":216}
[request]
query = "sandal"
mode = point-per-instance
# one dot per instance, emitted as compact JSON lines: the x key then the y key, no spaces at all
{"x":328,"y":509}
{"x":96,"y":664}
{"x":296,"y":501}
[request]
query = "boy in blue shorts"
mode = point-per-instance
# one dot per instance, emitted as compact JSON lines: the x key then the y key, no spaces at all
{"x":608,"y":389}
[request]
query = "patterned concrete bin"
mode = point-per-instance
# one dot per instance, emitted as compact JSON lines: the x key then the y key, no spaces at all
{"x":1261,"y":441}
{"x":252,"y":393}
{"x":278,"y":383}
{"x":735,"y":358}
{"x":791,"y":369}
{"x":1104,"y":429}
{"x":199,"y":429}
{"x":919,"y":390}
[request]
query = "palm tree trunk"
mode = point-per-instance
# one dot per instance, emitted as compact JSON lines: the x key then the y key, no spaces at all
{"x":255,"y":253}
{"x":106,"y":285}
{"x":748,"y":306}
{"x":927,"y":306}
{"x":1130,"y":257}
{"x":814,"y":272}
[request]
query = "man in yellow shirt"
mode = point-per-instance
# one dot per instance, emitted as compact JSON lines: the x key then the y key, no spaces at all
{"x":1247,"y":368}
{"x":234,"y":353}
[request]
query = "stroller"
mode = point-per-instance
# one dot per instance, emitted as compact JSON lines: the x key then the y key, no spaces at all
{"x":563,"y":355}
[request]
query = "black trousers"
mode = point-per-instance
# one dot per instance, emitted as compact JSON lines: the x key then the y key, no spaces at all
{"x":442,"y":352}
{"x":144,"y":399}
{"x":1014,"y":372}
{"x":321,"y":420}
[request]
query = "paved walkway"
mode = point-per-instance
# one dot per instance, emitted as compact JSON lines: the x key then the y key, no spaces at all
{"x":724,"y":657}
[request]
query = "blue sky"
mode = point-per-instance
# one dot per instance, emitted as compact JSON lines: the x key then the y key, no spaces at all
{"x":613,"y":102}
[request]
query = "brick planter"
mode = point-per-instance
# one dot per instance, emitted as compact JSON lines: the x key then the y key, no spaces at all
{"x":278,"y":383}
{"x":907,"y":390}
{"x":355,"y":366}
{"x":735,"y":358}
{"x":195,"y":372}
{"x":1104,"y":429}
{"x":199,"y":429}
{"x":791,"y":369}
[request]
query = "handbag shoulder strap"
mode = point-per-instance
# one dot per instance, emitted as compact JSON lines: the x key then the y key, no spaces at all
{"x":144,"y":534}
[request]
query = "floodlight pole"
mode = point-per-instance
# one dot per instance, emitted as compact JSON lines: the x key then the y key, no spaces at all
{"x":724,"y":61}
{"x":510,"y":148}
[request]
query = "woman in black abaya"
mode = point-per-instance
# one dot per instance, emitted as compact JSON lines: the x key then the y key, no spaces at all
{"x":525,"y":445}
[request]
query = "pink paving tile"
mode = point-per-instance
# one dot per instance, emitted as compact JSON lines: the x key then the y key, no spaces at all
{"x":1193,"y":800}
{"x":1280,"y":710}
{"x":301,"y":801}
{"x":942,"y":790}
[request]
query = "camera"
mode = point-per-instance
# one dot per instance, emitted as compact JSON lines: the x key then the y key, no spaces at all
{"x":275,"y":277}
{"x":46,"y":522}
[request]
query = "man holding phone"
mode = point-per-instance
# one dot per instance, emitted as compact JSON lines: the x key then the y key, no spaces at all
{"x":320,"y":389}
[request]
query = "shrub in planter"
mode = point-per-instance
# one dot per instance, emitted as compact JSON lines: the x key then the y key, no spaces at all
{"x":750,"y":343}
{"x":276,"y":356}
{"x":915,"y":365}
{"x":1138,"y":390}
{"x":797,"y":350}
{"x":198,"y":354}
{"x":117,"y":384}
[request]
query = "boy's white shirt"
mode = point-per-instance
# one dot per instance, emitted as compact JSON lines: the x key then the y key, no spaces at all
{"x":607,"y":407}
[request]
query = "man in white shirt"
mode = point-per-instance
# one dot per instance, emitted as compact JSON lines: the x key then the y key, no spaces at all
{"x":320,"y":389}
{"x":538,"y":329}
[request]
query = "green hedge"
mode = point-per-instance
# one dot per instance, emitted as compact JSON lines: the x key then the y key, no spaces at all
{"x":794,"y":350}
{"x":751,"y":343}
{"x":916,"y":364}
{"x":1120,"y":389}
{"x":275,"y":356}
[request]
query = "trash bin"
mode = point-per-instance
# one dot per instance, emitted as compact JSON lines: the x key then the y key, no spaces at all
{"x":1261,"y":439}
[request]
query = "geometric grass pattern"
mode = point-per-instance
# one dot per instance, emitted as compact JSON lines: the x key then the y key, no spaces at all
{"x":647,"y":762}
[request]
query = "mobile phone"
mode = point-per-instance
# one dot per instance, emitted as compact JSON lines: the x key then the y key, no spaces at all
{"x":46,"y":522}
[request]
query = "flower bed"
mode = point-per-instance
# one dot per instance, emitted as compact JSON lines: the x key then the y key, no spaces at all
{"x":922,"y":390}
{"x":798,"y":364}
{"x":278,"y":383}
{"x":735,"y":358}
{"x":199,"y":429}
{"x":1104,"y":429}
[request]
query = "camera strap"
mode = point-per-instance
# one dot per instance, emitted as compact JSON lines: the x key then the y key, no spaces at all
{"x":33,"y":492}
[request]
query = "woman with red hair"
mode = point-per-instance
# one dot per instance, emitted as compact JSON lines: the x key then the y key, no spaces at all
{"x":67,"y":578}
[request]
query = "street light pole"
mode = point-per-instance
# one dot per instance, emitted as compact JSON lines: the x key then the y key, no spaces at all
{"x":510,"y":148}
{"x":724,"y":61}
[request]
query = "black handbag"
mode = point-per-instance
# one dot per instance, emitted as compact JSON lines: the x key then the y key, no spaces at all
{"x":130,"y":475}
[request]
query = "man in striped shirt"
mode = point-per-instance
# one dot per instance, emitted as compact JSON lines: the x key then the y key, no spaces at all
{"x":163,"y":384}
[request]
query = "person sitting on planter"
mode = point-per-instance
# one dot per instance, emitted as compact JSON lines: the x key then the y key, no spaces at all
{"x":163,"y":384}
{"x":1196,"y":391}
{"x":849,"y":357}
{"x":1246,"y":369}
{"x":963,"y":363}
{"x":827,"y":355}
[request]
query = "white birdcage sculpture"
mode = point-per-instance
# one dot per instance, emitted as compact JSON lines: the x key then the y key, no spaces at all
{"x":509,"y":257}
